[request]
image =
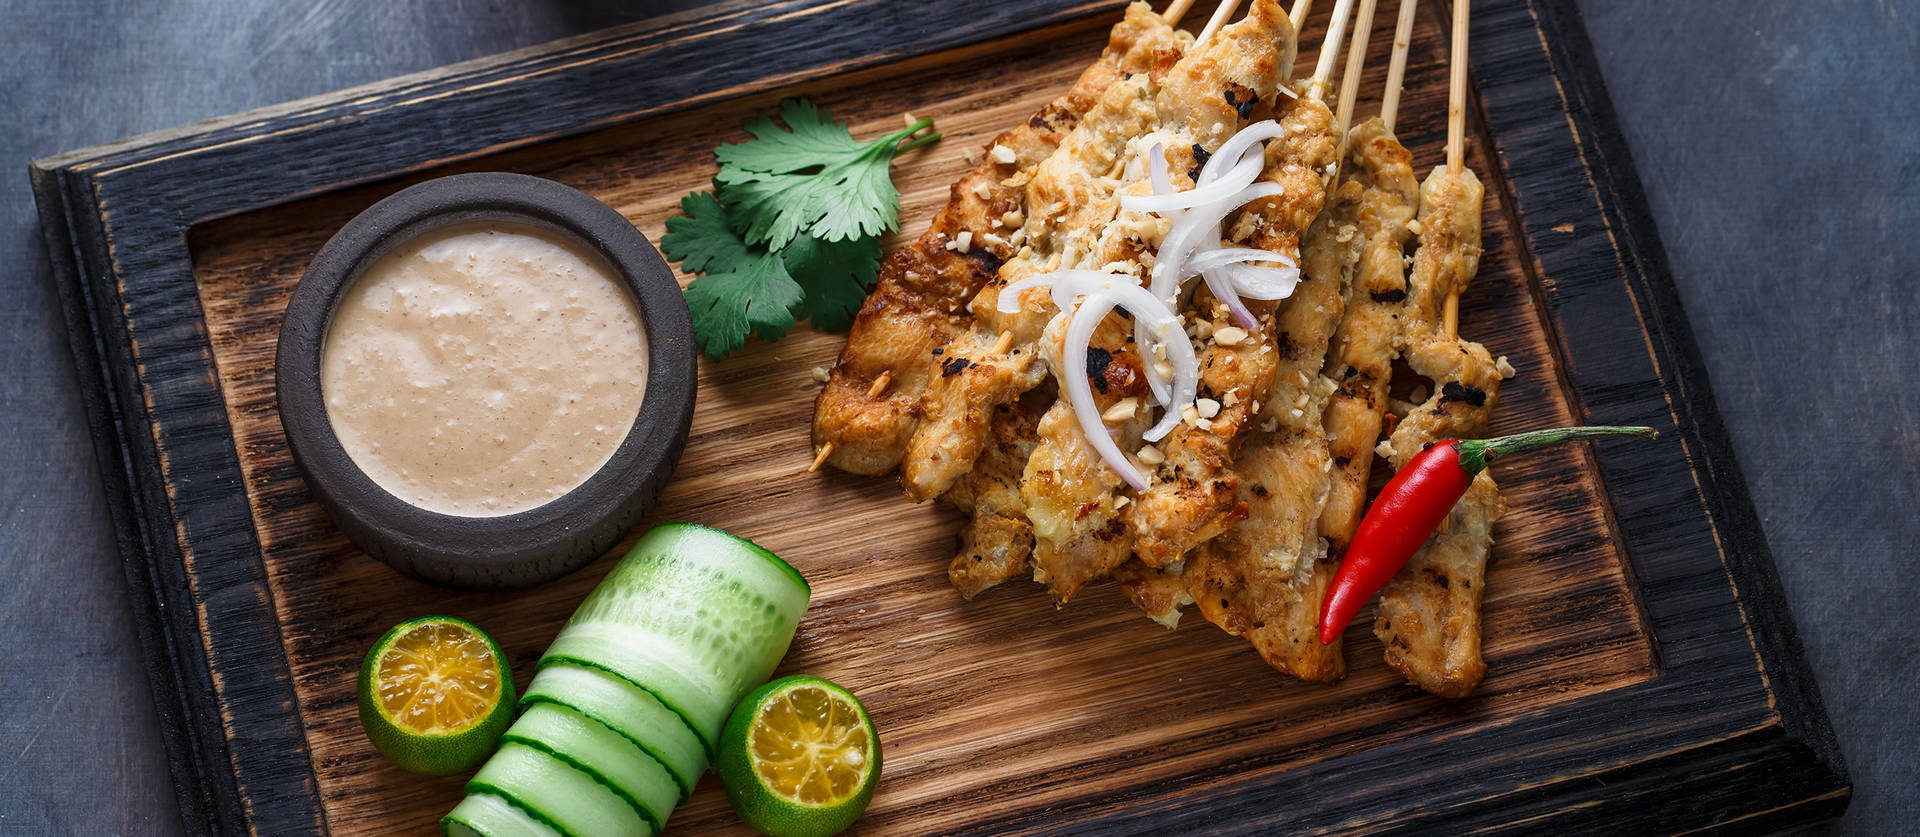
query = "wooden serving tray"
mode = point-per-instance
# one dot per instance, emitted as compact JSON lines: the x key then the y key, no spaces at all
{"x":1644,"y":673}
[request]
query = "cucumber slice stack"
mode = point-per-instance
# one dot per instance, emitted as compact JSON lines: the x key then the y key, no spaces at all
{"x":629,"y":701}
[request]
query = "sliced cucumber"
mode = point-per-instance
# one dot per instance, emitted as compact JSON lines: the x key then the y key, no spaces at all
{"x":628,"y":709}
{"x":595,"y":748}
{"x":555,"y":792}
{"x":486,"y":815}
{"x":697,"y":616}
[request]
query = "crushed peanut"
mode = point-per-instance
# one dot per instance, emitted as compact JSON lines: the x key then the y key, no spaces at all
{"x":820,"y":374}
{"x":1229,"y":336}
{"x":1002,"y":155}
{"x":1207,"y":407}
{"x":1121,"y":410}
{"x":1505,"y":369}
{"x":1150,"y":455}
{"x":1012,"y":218}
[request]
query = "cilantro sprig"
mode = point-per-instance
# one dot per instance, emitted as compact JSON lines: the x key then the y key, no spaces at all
{"x":792,"y":229}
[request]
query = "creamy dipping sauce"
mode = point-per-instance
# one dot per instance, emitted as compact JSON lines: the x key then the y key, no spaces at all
{"x":484,"y":369}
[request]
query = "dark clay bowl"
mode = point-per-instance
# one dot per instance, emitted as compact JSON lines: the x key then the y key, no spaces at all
{"x":527,"y":547}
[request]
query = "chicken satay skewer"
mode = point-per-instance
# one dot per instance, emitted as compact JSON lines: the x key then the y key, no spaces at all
{"x":919,"y":302}
{"x":1173,"y":14}
{"x":1456,"y":133}
{"x":1264,"y":578}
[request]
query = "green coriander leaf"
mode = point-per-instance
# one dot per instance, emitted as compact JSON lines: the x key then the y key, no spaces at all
{"x":703,"y":239}
{"x":726,"y":305}
{"x":836,"y":276}
{"x":811,"y":178}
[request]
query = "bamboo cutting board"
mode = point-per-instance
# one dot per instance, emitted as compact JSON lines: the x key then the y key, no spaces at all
{"x":1638,"y":655}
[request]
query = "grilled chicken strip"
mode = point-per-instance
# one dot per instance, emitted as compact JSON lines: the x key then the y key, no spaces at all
{"x":920,"y":301}
{"x":1072,"y":496}
{"x":1193,"y":496}
{"x":1072,"y":201}
{"x":1266,"y":578}
{"x":997,"y":543}
{"x":1429,"y":617}
{"x":1369,"y":337}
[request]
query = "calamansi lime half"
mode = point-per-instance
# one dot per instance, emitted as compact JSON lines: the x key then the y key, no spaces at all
{"x":799,"y":758}
{"x":435,"y":695}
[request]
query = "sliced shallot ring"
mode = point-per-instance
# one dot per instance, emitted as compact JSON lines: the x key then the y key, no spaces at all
{"x":1226,"y":294}
{"x":1073,"y":356}
{"x":1268,"y":283}
{"x":1237,"y":146}
{"x":1184,"y":240}
{"x":1157,"y":170}
{"x":1234,"y":255}
{"x":1242,"y":175}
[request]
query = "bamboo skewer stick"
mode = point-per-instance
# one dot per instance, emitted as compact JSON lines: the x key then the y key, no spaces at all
{"x":1329,"y":51}
{"x":820,"y":456}
{"x":880,"y":384}
{"x":1397,"y":65}
{"x":1350,"y":84}
{"x":1457,"y":90}
{"x":1456,"y":133}
{"x":1175,"y":11}
{"x":1298,"y":17}
{"x":1220,"y":15}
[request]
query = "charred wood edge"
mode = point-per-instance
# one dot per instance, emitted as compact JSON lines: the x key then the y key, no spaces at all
{"x":116,"y":220}
{"x":1732,"y":723}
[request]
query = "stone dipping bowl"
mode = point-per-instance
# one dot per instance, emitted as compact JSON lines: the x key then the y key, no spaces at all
{"x":527,"y":547}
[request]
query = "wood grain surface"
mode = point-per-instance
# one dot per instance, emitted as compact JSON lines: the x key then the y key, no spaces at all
{"x":989,"y":709}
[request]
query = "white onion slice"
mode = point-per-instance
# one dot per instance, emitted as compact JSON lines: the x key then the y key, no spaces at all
{"x":1223,"y":256}
{"x":1190,"y":232}
{"x":1268,"y":283}
{"x":1222,"y":188}
{"x":1226,"y":293}
{"x":1157,"y":170}
{"x":1236,"y":147}
{"x":1161,"y":328}
{"x":1073,"y":356}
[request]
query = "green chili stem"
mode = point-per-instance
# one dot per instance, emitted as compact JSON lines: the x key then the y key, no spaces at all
{"x":1476,"y":454}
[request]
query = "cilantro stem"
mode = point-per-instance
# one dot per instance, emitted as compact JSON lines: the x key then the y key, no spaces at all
{"x":910,"y":131}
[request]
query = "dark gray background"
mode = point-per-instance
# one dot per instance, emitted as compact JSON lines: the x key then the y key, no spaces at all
{"x":1777,"y":142}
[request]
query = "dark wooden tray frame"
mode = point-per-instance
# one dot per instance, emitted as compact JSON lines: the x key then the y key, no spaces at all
{"x":1730,"y":736}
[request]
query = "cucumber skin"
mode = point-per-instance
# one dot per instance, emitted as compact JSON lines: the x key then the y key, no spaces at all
{"x":695,"y":615}
{"x":679,"y":748}
{"x":588,"y":746}
{"x":492,"y":816}
{"x":528,"y":778}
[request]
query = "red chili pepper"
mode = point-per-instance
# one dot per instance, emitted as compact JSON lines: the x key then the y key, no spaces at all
{"x":1413,"y":504}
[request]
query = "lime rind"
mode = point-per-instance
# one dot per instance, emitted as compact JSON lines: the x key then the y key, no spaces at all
{"x":436,"y":754}
{"x":765,"y":808}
